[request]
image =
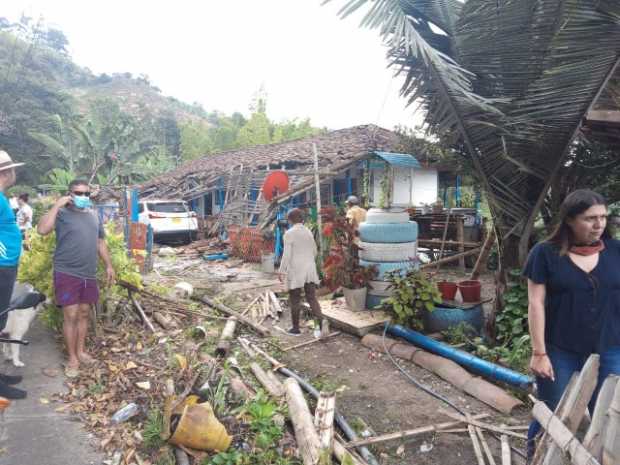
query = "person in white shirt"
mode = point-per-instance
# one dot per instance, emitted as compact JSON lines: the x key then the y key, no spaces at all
{"x":298,"y":269}
{"x":24,"y":215}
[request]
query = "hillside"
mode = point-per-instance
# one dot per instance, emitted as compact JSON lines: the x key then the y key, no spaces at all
{"x":64,"y":121}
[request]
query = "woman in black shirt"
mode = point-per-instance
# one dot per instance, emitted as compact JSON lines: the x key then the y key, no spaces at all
{"x":574,"y":299}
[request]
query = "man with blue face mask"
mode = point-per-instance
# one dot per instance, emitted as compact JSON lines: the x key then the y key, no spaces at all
{"x":80,"y":239}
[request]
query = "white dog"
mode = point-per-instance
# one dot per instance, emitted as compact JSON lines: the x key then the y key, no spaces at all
{"x":25,"y":304}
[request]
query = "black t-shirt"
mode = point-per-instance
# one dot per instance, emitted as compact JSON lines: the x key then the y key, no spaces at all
{"x":582,"y":309}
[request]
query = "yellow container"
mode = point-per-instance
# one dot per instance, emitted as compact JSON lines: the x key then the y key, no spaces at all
{"x":199,"y":429}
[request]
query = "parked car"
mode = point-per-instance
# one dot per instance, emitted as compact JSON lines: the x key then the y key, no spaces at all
{"x":171,"y":220}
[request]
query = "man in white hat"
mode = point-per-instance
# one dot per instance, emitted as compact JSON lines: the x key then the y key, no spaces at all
{"x":10,"y":250}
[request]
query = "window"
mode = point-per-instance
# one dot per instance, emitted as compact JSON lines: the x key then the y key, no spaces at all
{"x":167,"y":207}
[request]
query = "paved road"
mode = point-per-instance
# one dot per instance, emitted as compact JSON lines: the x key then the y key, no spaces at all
{"x":35,"y":434}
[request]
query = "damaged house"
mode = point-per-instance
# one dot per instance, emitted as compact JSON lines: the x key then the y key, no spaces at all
{"x":226,"y":187}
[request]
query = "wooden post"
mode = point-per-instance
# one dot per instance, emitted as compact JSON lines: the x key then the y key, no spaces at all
{"x":576,"y":405}
{"x":484,"y":254}
{"x":324,"y":423}
{"x":307,"y":438}
{"x":611,"y":449}
{"x":595,"y":437}
{"x":562,"y":436}
{"x":319,"y":221}
{"x":223,"y":346}
{"x":460,"y":237}
{"x":271,"y":384}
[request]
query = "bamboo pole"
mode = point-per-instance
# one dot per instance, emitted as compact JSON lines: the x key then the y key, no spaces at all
{"x":344,"y":456}
{"x":324,"y":424}
{"x":223,"y":345}
{"x":271,"y":384}
{"x":307,"y":343}
{"x":443,"y":238}
{"x":319,"y":220}
{"x":476,"y":444}
{"x":451,"y":258}
{"x":484,"y":254}
{"x":485,"y":447}
{"x":340,"y":420}
{"x":224,"y":309}
{"x":561,"y":435}
{"x":163,"y":321}
{"x":460,"y":237}
{"x":410,"y":433}
{"x":487,"y":426}
{"x":506,"y":459}
{"x":307,"y":438}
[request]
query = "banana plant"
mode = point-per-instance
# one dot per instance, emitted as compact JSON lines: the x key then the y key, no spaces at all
{"x":507,"y":82}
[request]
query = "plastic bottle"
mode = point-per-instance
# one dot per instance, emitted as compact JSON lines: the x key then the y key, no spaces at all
{"x":317,"y":329}
{"x":125,"y":413}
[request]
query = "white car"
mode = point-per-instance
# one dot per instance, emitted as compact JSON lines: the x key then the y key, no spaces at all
{"x":171,"y":220}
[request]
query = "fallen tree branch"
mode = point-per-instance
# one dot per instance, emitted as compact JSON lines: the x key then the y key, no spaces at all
{"x":307,"y":438}
{"x":137,"y":306}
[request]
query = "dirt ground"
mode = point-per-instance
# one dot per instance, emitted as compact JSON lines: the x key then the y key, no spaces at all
{"x":369,"y":387}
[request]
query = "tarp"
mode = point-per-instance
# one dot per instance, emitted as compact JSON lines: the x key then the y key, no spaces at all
{"x":402,"y":160}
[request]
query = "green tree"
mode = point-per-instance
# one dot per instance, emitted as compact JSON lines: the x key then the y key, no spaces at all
{"x":507,"y":83}
{"x":195,"y":140}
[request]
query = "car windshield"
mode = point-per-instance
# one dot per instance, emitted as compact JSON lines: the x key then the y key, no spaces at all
{"x":167,"y":207}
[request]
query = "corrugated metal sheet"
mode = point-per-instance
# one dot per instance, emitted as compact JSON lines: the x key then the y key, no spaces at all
{"x":404,"y":160}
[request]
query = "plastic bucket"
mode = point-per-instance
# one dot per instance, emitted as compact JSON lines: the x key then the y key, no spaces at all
{"x":448,"y":289}
{"x":470,"y":290}
{"x":267,"y":263}
{"x":355,"y":298}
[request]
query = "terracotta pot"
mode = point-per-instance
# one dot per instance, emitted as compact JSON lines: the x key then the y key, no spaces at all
{"x":448,"y":289}
{"x":470,"y":290}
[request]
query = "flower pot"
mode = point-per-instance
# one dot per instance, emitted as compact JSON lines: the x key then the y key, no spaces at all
{"x":355,"y":298}
{"x":470,"y":290}
{"x":448,"y":289}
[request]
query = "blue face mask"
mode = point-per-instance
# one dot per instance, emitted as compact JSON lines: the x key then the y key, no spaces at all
{"x":81,"y":202}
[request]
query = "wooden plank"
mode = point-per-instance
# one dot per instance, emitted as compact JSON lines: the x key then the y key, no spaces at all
{"x":460,"y":237}
{"x":595,"y":437}
{"x":576,"y":405}
{"x":563,"y":438}
{"x":437,"y":242}
{"x":357,"y":323}
{"x":611,"y":449}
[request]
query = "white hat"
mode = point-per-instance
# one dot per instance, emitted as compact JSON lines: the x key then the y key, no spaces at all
{"x":6,"y":162}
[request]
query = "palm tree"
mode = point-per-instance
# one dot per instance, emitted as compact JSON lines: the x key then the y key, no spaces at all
{"x":508,"y":82}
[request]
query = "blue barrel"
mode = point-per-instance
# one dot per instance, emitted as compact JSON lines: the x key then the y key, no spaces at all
{"x":441,"y":318}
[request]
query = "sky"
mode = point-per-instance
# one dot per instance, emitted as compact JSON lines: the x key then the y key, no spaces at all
{"x":311,"y":63}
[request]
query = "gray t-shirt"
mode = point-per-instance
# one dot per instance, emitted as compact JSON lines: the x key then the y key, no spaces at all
{"x":77,"y":234}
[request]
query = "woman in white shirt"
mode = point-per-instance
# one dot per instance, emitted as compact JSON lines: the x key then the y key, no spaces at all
{"x":298,"y":269}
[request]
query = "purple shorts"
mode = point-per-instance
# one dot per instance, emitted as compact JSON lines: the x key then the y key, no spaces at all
{"x":71,"y":290}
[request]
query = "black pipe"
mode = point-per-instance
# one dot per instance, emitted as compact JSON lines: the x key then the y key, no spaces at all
{"x":350,"y":434}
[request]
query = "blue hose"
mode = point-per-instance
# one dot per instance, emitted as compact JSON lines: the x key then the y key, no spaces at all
{"x":488,"y":369}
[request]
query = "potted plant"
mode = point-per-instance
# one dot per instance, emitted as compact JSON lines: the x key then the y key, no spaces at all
{"x":341,"y":267}
{"x":413,"y":294}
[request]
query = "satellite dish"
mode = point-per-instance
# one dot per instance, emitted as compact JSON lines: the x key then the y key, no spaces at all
{"x":276,"y":183}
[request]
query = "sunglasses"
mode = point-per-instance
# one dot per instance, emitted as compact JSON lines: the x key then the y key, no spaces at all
{"x":85,"y":193}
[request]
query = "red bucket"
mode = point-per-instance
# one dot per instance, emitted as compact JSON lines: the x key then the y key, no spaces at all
{"x":470,"y":290}
{"x":447,"y":289}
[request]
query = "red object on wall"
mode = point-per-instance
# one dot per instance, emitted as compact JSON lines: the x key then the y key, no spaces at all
{"x":275,"y":184}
